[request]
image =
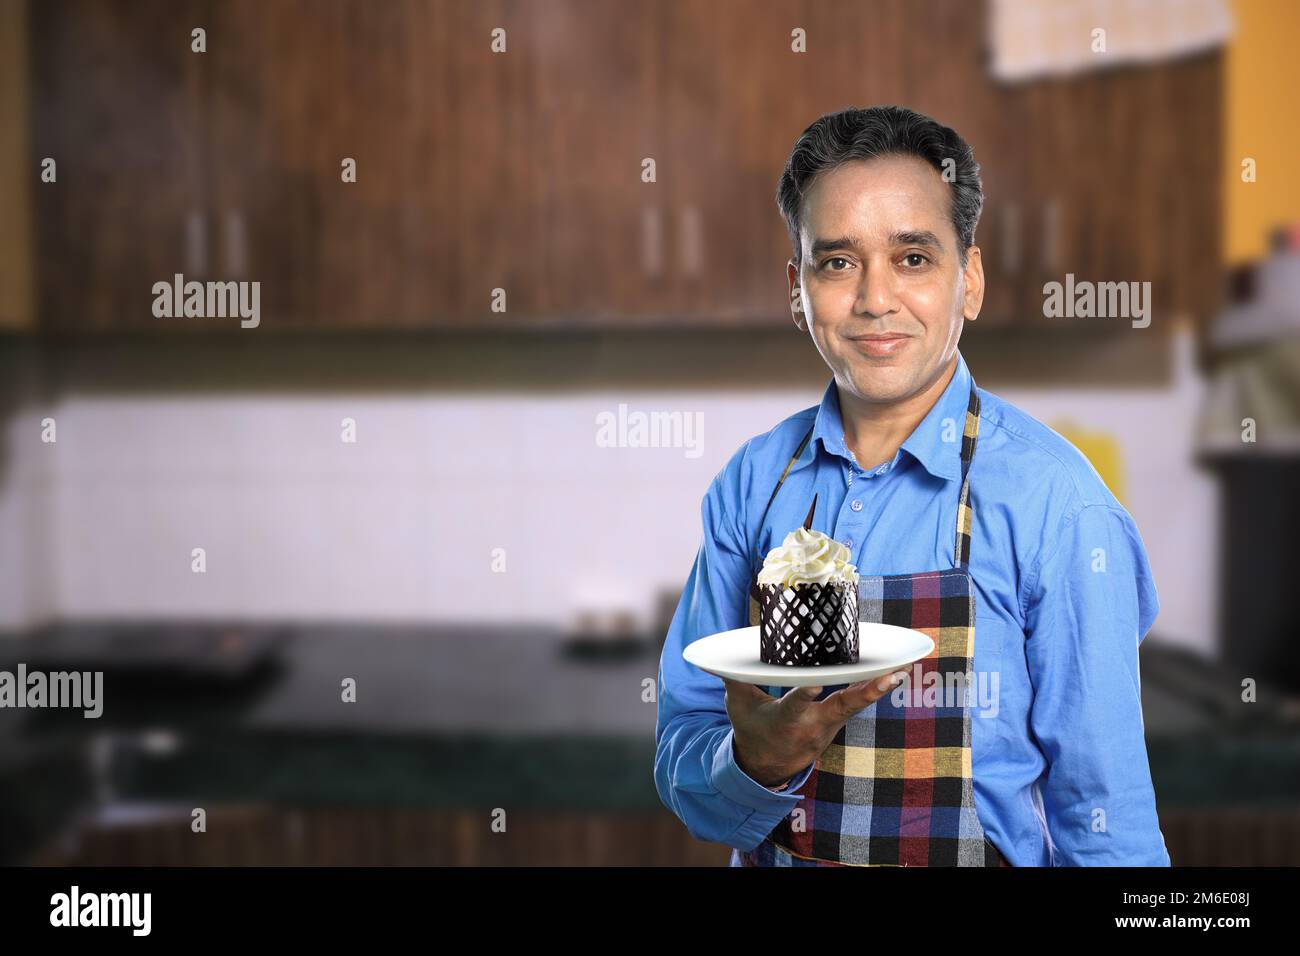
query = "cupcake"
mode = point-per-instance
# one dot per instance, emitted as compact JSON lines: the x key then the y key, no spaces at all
{"x":808,"y":601}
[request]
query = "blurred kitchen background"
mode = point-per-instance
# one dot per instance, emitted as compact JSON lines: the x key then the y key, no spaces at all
{"x":498,"y":583}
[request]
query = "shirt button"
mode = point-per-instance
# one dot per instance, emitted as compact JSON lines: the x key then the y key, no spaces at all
{"x":855,"y":504}
{"x":848,"y":542}
{"x":881,"y":470}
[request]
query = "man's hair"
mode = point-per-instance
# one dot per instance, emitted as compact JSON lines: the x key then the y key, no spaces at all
{"x":837,"y":138}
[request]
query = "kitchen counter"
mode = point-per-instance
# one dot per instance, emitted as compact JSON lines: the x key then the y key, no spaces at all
{"x":472,"y":716}
{"x":209,"y":713}
{"x":445,"y":679}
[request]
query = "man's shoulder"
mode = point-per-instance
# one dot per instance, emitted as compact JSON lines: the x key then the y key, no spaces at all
{"x":1029,"y":452}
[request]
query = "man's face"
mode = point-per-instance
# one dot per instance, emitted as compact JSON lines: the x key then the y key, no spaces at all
{"x":881,"y":258}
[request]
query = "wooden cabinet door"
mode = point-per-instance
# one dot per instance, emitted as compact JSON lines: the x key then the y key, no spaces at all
{"x":269,"y":146}
{"x":946,"y":64}
{"x":1124,"y":174}
{"x":335,"y":153}
{"x":739,"y":97}
{"x":594,"y":120}
{"x":1096,"y":163}
{"x":117,"y":105}
{"x":498,"y":150}
{"x":490,"y":138}
{"x":1192,"y":232}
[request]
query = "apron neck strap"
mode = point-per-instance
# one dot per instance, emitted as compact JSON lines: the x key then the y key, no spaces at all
{"x":965,"y":503}
{"x":753,"y":576}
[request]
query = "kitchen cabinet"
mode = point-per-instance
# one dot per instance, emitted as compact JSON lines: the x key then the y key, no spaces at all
{"x":1193,"y":91}
{"x":516,"y":168}
{"x":229,"y":164}
{"x":264,"y":834}
{"x":269,"y":89}
{"x":594,"y":145}
{"x":17,"y":281}
{"x":310,"y":835}
{"x":1070,"y":191}
{"x":522,"y":170}
{"x":116,"y":96}
{"x":436,"y":750}
{"x":739,"y":98}
{"x":1130,"y":194}
{"x":947,"y":78}
{"x":445,"y":205}
{"x":479,"y":150}
{"x":1108,"y":175}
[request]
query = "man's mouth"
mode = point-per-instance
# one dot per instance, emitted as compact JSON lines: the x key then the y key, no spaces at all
{"x":882,"y":345}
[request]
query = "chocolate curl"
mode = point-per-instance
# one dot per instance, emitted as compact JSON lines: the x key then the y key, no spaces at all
{"x":807,"y":522}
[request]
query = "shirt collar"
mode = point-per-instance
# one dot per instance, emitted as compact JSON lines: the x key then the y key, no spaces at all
{"x":926,"y":443}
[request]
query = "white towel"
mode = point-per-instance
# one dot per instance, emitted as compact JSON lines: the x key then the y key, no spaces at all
{"x":1033,"y":38}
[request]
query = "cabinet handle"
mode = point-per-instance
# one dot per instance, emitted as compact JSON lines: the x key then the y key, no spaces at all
{"x":652,"y":241}
{"x":1052,"y":235}
{"x":692,"y":248}
{"x":196,"y":243}
{"x":236,"y":244}
{"x":1010,"y":238}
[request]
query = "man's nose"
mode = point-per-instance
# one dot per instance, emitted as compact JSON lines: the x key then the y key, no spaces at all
{"x":877,"y":295}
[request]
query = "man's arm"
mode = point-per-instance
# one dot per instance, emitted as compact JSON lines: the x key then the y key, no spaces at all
{"x":695,"y":769}
{"x":1089,"y":602}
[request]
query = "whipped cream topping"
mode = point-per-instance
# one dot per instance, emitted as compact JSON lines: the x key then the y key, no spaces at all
{"x":808,"y":557}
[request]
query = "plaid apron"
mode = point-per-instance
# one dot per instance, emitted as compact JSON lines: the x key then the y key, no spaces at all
{"x":894,"y":786}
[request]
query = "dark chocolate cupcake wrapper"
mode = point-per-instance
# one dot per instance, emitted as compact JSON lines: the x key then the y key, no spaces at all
{"x":808,"y":625}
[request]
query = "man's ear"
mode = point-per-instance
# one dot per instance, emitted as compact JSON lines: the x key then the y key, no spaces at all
{"x":796,"y":297}
{"x":974,"y":274}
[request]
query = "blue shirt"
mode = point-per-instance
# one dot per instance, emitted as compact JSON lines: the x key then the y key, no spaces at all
{"x":1064,"y":596}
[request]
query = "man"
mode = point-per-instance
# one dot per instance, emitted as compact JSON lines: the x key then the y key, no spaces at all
{"x":966,"y":518}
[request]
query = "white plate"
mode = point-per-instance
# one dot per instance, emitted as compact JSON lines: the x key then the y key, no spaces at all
{"x":883,"y":648}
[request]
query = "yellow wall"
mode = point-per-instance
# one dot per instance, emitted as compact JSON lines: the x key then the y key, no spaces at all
{"x":1263,"y":122}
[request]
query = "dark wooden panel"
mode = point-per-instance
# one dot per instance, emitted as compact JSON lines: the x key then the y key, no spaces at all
{"x":117,"y":105}
{"x":522,"y":170}
{"x":298,"y":87}
{"x":1193,"y":238}
{"x":947,"y":77}
{"x":495,"y":142}
{"x":738,"y":100}
{"x":262,"y":835}
{"x":321,"y":836}
{"x":1129,"y":159}
{"x":596,"y":115}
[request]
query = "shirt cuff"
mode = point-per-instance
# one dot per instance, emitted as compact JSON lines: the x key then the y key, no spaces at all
{"x":734,"y":783}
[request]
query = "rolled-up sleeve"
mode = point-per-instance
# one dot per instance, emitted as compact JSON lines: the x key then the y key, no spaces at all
{"x":695,"y":769}
{"x":1089,"y":602}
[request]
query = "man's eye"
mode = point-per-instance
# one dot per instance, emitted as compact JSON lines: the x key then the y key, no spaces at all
{"x":834,"y":259}
{"x":921,"y":260}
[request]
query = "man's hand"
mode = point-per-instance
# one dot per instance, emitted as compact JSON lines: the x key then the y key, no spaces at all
{"x":775,"y":739}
